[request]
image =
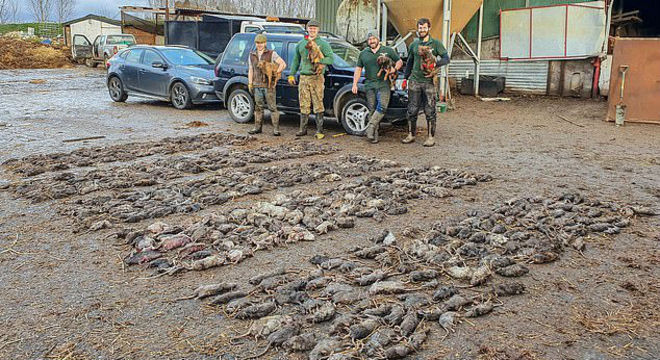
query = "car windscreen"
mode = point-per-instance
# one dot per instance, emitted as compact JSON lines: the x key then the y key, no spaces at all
{"x":120,"y":40}
{"x":346,"y":55}
{"x":187,"y":57}
{"x":284,"y":29}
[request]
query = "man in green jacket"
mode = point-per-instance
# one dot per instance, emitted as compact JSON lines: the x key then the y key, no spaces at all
{"x":312,"y":85}
{"x":421,"y":91}
{"x":376,"y":87}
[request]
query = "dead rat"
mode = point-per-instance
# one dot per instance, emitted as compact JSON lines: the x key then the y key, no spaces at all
{"x":257,"y":311}
{"x":205,"y":291}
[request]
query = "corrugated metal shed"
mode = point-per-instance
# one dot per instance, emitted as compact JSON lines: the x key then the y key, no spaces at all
{"x":492,"y":15}
{"x":326,"y":13}
{"x":530,"y":77}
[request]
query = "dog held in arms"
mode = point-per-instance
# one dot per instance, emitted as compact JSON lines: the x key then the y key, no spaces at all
{"x":387,"y":69}
{"x":315,"y":56}
{"x":428,"y":64}
{"x":269,"y":70}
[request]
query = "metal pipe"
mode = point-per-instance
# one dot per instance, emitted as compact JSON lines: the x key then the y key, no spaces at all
{"x":446,"y":28}
{"x":477,"y":62}
{"x":385,"y":20}
{"x":378,"y":19}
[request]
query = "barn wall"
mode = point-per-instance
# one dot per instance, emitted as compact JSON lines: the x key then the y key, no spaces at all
{"x":92,"y":28}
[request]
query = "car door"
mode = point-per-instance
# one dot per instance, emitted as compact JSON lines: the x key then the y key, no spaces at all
{"x":82,"y":48}
{"x":130,"y":68}
{"x":289,"y":93}
{"x":153,"y":81}
{"x":95,"y":47}
{"x":234,"y":59}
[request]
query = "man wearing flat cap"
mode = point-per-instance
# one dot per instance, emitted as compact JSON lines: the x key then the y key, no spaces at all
{"x":377,"y":88}
{"x":258,"y":85}
{"x":312,"y":85}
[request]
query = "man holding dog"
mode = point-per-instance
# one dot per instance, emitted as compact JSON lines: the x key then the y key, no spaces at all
{"x":258,"y":84}
{"x":377,"y":84}
{"x":312,"y":84}
{"x":421,"y":89}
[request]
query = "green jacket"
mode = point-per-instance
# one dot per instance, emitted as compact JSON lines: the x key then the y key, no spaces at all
{"x":415,"y":72}
{"x":301,"y":53}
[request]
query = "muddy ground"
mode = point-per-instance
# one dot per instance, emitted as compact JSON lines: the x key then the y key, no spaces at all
{"x":67,"y":293}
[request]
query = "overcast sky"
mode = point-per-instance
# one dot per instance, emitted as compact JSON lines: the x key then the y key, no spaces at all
{"x":108,"y":8}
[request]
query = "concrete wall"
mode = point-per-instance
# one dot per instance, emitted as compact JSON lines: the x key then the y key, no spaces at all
{"x":92,"y":28}
{"x":571,"y":78}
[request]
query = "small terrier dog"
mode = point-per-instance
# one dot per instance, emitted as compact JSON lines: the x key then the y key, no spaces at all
{"x":387,"y":69}
{"x":269,"y":70}
{"x":315,"y":56}
{"x":428,"y":63}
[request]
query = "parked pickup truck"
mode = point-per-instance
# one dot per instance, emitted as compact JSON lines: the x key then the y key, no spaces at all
{"x":103,"y":48}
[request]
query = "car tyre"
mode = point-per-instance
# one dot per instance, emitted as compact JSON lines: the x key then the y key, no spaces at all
{"x":180,"y":96}
{"x":355,"y":116}
{"x":241,"y":106}
{"x":116,"y":89}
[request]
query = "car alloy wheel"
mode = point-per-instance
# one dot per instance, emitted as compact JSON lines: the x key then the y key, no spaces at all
{"x":240,"y":106}
{"x":115,"y":89}
{"x":180,"y":96}
{"x":356,"y":116}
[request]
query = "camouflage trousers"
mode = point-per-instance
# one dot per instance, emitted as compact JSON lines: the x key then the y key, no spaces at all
{"x":310,"y":92}
{"x":262,"y":97}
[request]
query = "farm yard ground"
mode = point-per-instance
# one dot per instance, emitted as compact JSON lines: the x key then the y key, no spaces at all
{"x":70,"y":225}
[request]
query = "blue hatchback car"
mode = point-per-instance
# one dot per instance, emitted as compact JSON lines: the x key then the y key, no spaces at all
{"x":180,"y":75}
{"x":351,"y":110}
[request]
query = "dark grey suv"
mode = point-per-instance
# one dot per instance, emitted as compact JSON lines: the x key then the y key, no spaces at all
{"x":180,"y":75}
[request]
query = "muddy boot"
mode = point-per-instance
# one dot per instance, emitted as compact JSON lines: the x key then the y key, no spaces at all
{"x":275,"y":116}
{"x":375,"y":124}
{"x":304,"y":118}
{"x":410,"y":138}
{"x":258,"y":122}
{"x":430,"y":141}
{"x":319,"y":126}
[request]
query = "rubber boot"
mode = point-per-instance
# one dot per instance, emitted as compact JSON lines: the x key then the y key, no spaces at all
{"x":319,"y":126}
{"x":258,"y":123}
{"x":412,"y":130}
{"x":430,"y":141}
{"x":410,"y":138}
{"x":304,"y":119}
{"x":275,"y":116}
{"x":375,"y":123}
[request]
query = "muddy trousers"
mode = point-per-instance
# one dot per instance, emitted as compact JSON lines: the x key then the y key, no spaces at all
{"x":378,"y":101}
{"x":421,"y":95}
{"x":265,"y":97}
{"x":310,"y":94}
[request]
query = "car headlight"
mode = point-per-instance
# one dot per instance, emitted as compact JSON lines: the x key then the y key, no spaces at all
{"x":201,"y":81}
{"x":398,"y":85}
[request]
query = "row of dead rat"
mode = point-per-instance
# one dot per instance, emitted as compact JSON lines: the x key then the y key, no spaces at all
{"x":381,"y":301}
{"x":228,"y":237}
{"x":157,"y":171}
{"x":215,"y":189}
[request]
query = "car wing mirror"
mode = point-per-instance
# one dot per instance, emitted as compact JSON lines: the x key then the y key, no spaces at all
{"x":159,"y":65}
